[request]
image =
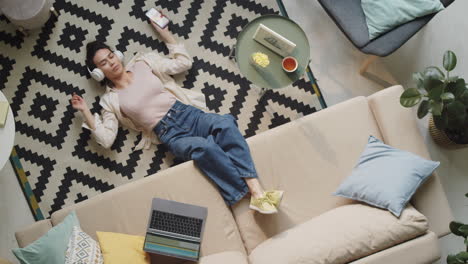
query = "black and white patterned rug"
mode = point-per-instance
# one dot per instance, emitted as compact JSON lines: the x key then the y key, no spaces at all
{"x":39,"y":73}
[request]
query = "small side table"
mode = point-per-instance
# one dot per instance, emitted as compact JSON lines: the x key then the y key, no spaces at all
{"x":273,"y":77}
{"x":7,"y":136}
{"x":27,"y":14}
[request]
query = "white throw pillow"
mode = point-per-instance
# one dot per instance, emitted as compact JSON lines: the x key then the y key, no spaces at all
{"x":82,"y":249}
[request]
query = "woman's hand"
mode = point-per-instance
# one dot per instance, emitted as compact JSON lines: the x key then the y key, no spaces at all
{"x":78,"y":103}
{"x":165,"y":34}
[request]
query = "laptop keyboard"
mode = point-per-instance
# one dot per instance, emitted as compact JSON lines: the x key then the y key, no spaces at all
{"x":177,"y":224}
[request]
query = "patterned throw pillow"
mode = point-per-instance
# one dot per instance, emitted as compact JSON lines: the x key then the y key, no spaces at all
{"x":82,"y":249}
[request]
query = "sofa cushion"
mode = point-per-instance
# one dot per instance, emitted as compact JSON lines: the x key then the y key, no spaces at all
{"x":51,"y":247}
{"x":308,"y":158}
{"x":228,"y":257}
{"x":126,"y":209}
{"x":386,"y":177}
{"x":82,"y":249}
{"x":384,"y":15}
{"x":122,"y":248}
{"x":408,"y":252}
{"x":341,"y":235}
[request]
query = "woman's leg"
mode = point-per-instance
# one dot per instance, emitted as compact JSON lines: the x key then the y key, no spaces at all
{"x":213,"y":162}
{"x":226,"y":134}
{"x":218,"y":149}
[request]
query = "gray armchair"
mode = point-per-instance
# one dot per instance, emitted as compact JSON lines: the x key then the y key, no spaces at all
{"x":349,"y":17}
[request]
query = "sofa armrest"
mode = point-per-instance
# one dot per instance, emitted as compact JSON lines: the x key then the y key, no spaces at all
{"x":33,"y":232}
{"x":408,"y":252}
{"x":399,"y":129}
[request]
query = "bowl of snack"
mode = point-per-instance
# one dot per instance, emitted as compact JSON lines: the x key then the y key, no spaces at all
{"x":259,"y":60}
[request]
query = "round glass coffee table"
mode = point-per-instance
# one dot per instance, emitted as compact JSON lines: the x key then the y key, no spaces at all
{"x":273,"y":76}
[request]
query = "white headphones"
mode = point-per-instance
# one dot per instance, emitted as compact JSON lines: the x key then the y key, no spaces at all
{"x":97,"y":74}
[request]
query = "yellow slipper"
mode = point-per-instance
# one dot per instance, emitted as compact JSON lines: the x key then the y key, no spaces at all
{"x":274,"y":196}
{"x":262,"y":205}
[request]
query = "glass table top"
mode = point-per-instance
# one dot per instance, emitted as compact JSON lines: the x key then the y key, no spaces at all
{"x":273,"y":76}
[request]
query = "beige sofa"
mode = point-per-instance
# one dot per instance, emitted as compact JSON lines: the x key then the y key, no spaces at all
{"x":308,"y":158}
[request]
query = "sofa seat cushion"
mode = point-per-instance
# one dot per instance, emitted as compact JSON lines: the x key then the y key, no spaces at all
{"x":228,"y":257}
{"x":308,"y":158}
{"x":408,"y":252}
{"x":126,"y":209}
{"x":341,"y":235}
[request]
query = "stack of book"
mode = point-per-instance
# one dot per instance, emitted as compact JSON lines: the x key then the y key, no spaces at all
{"x":3,"y":113}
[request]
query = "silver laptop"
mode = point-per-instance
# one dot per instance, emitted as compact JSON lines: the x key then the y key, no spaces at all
{"x":175,"y":229}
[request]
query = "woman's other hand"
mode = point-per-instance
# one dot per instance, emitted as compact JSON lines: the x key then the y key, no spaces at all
{"x":165,"y":34}
{"x":78,"y":103}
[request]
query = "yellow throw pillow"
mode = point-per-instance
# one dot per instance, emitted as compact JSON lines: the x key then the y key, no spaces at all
{"x":121,"y":248}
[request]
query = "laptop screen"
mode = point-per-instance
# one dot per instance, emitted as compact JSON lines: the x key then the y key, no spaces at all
{"x":171,"y":246}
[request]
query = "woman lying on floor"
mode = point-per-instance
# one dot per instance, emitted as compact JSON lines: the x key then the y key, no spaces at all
{"x":143,"y":96}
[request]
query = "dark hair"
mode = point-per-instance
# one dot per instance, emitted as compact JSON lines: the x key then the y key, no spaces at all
{"x":91,"y":49}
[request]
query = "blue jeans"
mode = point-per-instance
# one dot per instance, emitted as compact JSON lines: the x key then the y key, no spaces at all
{"x":214,"y":143}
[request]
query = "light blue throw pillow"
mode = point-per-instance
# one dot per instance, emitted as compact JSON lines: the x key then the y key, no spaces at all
{"x":386,"y":177}
{"x":51,"y":247}
{"x":384,"y":15}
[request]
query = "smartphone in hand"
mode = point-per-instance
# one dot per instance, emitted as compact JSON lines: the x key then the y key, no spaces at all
{"x":161,"y":20}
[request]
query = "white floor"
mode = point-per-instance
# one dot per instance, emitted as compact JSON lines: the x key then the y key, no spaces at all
{"x":14,"y":211}
{"x":335,"y":63}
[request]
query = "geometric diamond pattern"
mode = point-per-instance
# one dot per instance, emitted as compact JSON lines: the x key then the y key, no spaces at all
{"x":43,"y":107}
{"x":6,"y":65}
{"x":235,"y":26}
{"x":72,"y":37}
{"x":112,"y":3}
{"x":169,"y":5}
{"x":214,"y":96}
{"x":9,"y":35}
{"x":63,"y":163}
{"x":82,"y":249}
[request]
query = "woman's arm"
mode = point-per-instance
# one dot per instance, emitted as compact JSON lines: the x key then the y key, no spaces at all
{"x":105,"y":130}
{"x":180,"y":60}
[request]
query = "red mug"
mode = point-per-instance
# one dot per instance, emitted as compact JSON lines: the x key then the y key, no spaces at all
{"x":289,"y":64}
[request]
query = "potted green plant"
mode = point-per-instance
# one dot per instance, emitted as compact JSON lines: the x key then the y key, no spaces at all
{"x":459,"y":229}
{"x":446,"y":98}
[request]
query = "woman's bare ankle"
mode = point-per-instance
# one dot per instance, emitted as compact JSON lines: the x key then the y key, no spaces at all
{"x":256,"y":194}
{"x":255,"y":188}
